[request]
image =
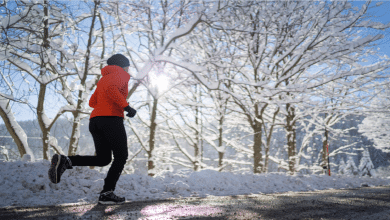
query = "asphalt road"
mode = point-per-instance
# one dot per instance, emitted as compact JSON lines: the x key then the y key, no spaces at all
{"x":362,"y":203}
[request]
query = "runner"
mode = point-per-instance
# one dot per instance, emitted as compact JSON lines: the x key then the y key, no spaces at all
{"x":107,"y":129}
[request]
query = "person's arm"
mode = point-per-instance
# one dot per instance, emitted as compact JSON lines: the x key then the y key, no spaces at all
{"x":93,"y":100}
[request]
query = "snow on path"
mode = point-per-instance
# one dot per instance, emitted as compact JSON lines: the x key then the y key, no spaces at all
{"x":27,"y":184}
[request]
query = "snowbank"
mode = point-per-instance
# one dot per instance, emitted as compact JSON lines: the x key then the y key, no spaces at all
{"x":26,"y":184}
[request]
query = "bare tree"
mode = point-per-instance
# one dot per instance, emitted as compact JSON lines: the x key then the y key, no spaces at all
{"x":159,"y":31}
{"x":290,"y":49}
{"x":32,"y":51}
{"x":89,"y":64}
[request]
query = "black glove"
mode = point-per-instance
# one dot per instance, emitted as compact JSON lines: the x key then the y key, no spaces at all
{"x":130,"y":111}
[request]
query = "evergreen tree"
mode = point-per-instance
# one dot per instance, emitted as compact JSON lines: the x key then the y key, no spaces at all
{"x":350,"y":168}
{"x":366,"y":166}
{"x":342,"y":166}
{"x":4,"y":152}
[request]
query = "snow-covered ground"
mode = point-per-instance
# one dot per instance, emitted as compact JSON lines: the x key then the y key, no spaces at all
{"x":27,"y":184}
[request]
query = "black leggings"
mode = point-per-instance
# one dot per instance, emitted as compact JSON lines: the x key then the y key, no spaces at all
{"x":109,"y":135}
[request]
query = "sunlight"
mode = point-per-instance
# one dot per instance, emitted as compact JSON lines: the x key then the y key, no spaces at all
{"x":159,"y":81}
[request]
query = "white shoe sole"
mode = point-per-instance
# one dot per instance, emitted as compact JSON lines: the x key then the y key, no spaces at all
{"x":53,"y":173}
{"x":58,"y":163}
{"x":110,"y":202}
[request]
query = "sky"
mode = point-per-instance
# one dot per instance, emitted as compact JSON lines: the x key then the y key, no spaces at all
{"x":23,"y":112}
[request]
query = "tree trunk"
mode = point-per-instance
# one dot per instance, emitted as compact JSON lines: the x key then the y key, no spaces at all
{"x":220,"y":143}
{"x":153,"y":127}
{"x":291,"y":137}
{"x":197,"y":144}
{"x":198,"y":124}
{"x":266,"y":158}
{"x":257,"y":155}
{"x":14,"y":129}
{"x":269,"y":136}
{"x":324,"y":151}
{"x":41,"y":115}
{"x":75,"y":137}
{"x":197,"y":156}
{"x":42,"y":89}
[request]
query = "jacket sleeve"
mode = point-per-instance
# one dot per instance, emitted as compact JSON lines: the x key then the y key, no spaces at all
{"x":93,"y":100}
{"x":114,"y":94}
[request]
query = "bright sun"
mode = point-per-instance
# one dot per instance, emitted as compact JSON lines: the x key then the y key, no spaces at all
{"x":160,"y":82}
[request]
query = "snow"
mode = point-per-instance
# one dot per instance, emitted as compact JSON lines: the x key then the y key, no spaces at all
{"x":12,"y":20}
{"x":6,"y":107}
{"x":45,"y":79}
{"x":46,"y":120}
{"x":22,"y":65}
{"x":26,"y":183}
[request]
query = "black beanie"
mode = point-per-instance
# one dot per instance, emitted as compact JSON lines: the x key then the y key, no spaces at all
{"x":118,"y":60}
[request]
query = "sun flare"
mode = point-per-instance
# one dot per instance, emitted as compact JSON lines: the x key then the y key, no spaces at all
{"x":161,"y":83}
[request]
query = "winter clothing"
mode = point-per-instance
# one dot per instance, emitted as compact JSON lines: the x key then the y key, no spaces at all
{"x":131,"y":112}
{"x":109,"y":135}
{"x":118,"y":60}
{"x":109,"y":98}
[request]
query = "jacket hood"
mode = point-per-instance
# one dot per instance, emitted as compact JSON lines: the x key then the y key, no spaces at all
{"x":112,"y":69}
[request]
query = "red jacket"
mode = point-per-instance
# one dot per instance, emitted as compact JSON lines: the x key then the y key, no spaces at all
{"x":109,"y":98}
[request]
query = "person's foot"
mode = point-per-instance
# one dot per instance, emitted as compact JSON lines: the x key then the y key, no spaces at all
{"x":59,"y":163}
{"x":110,"y":198}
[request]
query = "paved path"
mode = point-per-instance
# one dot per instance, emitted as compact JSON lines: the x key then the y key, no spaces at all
{"x":361,"y":203}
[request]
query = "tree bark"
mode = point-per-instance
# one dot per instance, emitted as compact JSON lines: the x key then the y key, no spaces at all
{"x":269,"y":136}
{"x":42,"y":125}
{"x":12,"y":125}
{"x":42,"y":87}
{"x":197,"y":130}
{"x":220,"y":143}
{"x":197,"y":154}
{"x":324,"y":151}
{"x":291,"y":137}
{"x":257,"y":155}
{"x":153,"y":127}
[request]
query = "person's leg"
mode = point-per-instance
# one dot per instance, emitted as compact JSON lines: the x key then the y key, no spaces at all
{"x":102,"y":147}
{"x":109,"y":135}
{"x":115,"y":135}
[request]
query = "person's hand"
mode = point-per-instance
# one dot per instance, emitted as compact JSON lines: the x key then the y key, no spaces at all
{"x":130,"y":111}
